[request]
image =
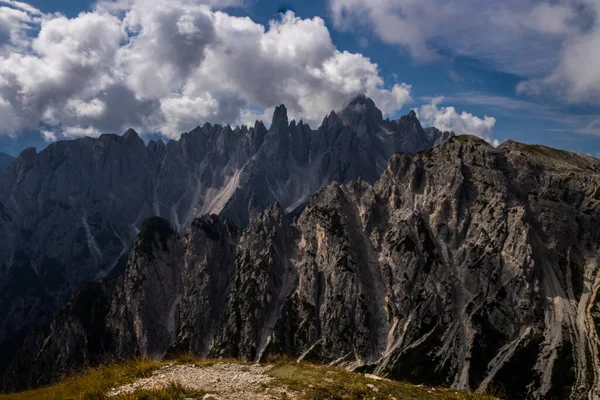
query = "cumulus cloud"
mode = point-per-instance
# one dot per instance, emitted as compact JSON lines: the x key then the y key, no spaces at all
{"x":167,"y":66}
{"x":446,"y":118}
{"x":552,"y":44}
{"x":577,"y":76}
{"x":48,"y":136}
{"x":16,"y":19}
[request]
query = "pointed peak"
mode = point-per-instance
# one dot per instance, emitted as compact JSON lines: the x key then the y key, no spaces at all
{"x":259,"y":125}
{"x":279,"y":115}
{"x":362,"y":108}
{"x":362,"y":99}
{"x":131,"y":134}
{"x":362,"y":104}
{"x":410,"y":120}
{"x":333,"y":116}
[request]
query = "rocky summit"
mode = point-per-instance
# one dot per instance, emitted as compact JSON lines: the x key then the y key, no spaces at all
{"x":70,"y":213}
{"x":463,"y":265}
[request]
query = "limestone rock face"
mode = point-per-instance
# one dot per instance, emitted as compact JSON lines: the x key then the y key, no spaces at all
{"x":70,"y":213}
{"x":463,"y":265}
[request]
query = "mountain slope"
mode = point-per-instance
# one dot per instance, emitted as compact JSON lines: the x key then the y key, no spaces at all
{"x":70,"y":213}
{"x":5,"y":160}
{"x":463,"y":265}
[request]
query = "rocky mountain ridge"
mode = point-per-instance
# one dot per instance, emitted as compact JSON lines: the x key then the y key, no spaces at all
{"x":463,"y":265}
{"x":71,"y":212}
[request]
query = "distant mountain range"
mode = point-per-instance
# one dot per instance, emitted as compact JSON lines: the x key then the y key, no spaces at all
{"x":463,"y":265}
{"x":71,"y":212}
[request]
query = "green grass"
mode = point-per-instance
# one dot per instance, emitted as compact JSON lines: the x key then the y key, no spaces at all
{"x":91,"y":384}
{"x":173,"y":391}
{"x":468,"y":139}
{"x":318,"y":382}
{"x":307,"y":381}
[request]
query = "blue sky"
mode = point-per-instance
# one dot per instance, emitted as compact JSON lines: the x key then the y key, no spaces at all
{"x":522,"y":76}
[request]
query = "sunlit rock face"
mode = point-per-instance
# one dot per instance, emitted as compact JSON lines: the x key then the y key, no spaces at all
{"x":70,"y":213}
{"x":463,"y":265}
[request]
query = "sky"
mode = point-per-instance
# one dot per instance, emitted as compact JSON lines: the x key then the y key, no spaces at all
{"x":522,"y":70}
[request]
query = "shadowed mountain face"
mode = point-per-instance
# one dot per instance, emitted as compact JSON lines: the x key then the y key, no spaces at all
{"x":463,"y":265}
{"x":70,"y":213}
{"x":5,"y":160}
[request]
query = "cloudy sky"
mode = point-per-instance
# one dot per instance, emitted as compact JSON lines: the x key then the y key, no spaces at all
{"x":524,"y":70}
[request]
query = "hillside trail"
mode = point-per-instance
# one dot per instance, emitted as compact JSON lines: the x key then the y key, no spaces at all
{"x":222,"y":381}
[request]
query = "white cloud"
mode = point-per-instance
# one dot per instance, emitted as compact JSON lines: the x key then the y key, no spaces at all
{"x":76,"y":131}
{"x":409,"y":23}
{"x":446,"y":118}
{"x":554,"y":45}
{"x":592,"y":127}
{"x":57,"y":78}
{"x":166,"y":66}
{"x":48,"y":136}
{"x":15,"y":21}
{"x":22,"y":6}
{"x":82,"y":109}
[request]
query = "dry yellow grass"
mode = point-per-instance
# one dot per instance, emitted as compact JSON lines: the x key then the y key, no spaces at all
{"x":91,"y":384}
{"x":319,"y":382}
{"x":308,"y":381}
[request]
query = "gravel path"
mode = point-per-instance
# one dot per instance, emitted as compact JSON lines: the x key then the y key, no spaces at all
{"x":225,"y":381}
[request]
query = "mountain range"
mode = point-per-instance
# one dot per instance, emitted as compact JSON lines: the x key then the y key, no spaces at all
{"x":463,"y":265}
{"x":371,"y":244}
{"x":70,"y":213}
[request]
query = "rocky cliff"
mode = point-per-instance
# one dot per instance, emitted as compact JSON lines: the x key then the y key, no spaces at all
{"x":463,"y":265}
{"x":71,"y":212}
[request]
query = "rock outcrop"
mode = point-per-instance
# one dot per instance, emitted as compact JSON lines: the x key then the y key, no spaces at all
{"x":70,"y":213}
{"x":463,"y":265}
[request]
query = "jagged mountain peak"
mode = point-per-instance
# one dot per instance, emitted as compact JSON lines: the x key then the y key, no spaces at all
{"x":459,"y":266}
{"x":362,"y":108}
{"x":131,"y":134}
{"x":279,"y":116}
{"x":362,"y":99}
{"x":410,"y":118}
{"x":72,"y":211}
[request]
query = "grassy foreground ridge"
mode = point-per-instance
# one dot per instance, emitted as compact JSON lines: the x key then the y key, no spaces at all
{"x":301,"y":381}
